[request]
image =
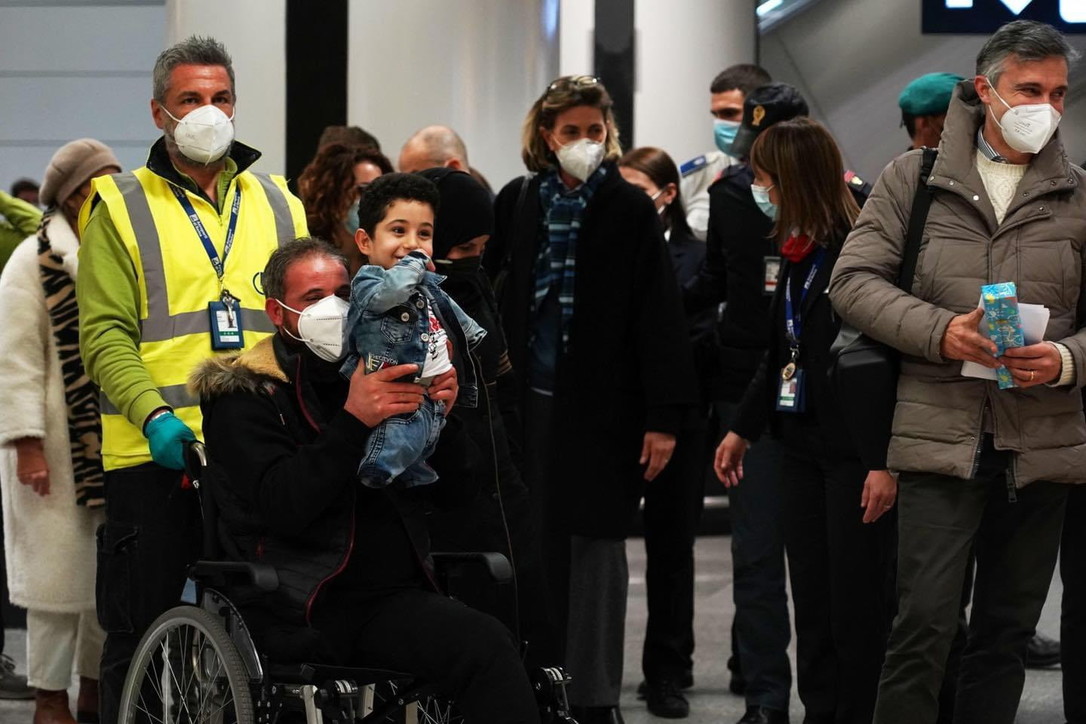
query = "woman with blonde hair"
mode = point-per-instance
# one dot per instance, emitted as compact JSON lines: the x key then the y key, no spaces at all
{"x":596,"y":334}
{"x":837,"y":534}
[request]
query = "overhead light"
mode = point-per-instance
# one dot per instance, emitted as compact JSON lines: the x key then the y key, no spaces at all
{"x":768,"y":6}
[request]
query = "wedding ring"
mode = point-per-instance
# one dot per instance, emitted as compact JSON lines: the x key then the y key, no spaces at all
{"x":1032,"y":374}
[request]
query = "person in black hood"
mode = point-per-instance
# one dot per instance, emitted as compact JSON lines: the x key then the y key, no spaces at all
{"x":499,"y":517}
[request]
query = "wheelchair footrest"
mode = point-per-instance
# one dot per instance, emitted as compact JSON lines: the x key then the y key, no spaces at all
{"x":310,"y":673}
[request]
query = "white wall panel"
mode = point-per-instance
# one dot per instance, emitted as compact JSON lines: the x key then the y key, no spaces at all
{"x":95,"y":39}
{"x":70,"y":71}
{"x":473,"y":65}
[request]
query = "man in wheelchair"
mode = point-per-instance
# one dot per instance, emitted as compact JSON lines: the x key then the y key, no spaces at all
{"x":285,"y":434}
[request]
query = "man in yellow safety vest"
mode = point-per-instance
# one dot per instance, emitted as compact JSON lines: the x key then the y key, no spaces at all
{"x":168,"y":262}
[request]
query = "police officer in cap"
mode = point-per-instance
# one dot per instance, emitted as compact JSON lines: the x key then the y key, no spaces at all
{"x":726,"y":95}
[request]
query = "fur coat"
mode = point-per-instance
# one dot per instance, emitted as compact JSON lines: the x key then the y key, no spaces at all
{"x":48,"y":540}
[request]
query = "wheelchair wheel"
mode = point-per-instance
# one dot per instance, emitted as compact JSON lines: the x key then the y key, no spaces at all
{"x":186,"y":670}
{"x":435,"y":710}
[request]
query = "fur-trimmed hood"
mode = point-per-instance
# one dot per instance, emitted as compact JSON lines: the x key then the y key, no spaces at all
{"x":249,"y":372}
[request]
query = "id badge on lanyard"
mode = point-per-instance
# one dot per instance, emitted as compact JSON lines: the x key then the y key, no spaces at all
{"x":224,"y":313}
{"x":791,"y":393}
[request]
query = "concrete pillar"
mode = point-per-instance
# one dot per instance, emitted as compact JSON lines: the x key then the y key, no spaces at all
{"x":254,"y":33}
{"x":680,"y":49}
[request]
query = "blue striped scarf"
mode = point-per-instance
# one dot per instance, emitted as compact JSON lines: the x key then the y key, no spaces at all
{"x":557,"y":261}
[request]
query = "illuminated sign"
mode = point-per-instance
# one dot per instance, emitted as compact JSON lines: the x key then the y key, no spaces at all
{"x":985,"y":16}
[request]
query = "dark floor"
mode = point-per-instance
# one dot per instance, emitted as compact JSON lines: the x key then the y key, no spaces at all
{"x":710,"y":700}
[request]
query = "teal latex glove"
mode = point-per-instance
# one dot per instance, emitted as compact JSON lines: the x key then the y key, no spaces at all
{"x":168,"y":437}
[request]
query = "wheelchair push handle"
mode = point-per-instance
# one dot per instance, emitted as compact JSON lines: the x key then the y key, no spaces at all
{"x":195,"y":462}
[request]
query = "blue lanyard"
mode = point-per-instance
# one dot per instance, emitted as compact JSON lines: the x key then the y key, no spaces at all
{"x":205,"y":238}
{"x":793,"y":320}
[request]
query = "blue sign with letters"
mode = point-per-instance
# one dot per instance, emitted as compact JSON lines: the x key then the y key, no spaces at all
{"x":985,"y":16}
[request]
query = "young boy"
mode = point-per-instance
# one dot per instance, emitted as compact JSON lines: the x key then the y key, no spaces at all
{"x":399,"y":315}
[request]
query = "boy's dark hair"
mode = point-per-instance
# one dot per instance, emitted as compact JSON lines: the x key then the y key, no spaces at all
{"x":389,"y":188}
{"x":744,"y":78}
{"x":272,"y":280}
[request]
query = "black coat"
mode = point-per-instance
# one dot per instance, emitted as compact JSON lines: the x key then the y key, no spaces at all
{"x":629,"y":368}
{"x":687,"y":258}
{"x":820,"y":327}
{"x":285,"y":459}
{"x":740,"y":248}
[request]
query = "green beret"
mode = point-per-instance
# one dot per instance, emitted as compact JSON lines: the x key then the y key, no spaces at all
{"x":928,"y":95}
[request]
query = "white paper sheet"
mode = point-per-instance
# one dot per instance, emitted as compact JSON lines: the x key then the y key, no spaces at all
{"x":1034,"y":323}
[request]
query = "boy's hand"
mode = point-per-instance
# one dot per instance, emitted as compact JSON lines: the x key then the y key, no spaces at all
{"x":445,"y":387}
{"x":373,"y":398}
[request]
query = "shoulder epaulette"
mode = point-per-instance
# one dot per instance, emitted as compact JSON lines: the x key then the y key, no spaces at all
{"x":693,"y":165}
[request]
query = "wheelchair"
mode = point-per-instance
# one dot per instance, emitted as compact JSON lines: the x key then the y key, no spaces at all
{"x":197,"y":663}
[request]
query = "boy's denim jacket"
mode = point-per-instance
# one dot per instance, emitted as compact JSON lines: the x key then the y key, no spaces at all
{"x":387,"y":323}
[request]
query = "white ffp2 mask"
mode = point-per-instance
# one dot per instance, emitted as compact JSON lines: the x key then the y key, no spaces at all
{"x":322,"y":327}
{"x":203,"y":135}
{"x":1029,"y":127}
{"x":580,"y":158}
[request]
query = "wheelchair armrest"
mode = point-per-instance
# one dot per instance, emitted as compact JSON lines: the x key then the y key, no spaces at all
{"x":496,"y":565}
{"x":261,"y":575}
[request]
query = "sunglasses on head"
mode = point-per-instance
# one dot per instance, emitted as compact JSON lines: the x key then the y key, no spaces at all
{"x":573,"y":82}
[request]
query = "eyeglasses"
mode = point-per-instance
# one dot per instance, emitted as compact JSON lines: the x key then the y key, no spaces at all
{"x":573,"y":82}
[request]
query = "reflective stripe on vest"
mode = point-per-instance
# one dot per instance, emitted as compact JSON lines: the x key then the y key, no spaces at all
{"x":176,"y":281}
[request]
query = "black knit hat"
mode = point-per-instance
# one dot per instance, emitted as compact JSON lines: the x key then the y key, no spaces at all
{"x":466,"y":210}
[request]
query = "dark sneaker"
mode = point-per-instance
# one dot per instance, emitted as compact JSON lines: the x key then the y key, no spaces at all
{"x":686,"y":681}
{"x":761,"y":715}
{"x":1042,"y":652}
{"x":12,"y":686}
{"x":665,"y":700}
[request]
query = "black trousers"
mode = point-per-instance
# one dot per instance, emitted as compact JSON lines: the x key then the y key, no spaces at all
{"x":468,"y":655}
{"x":837,"y":565}
{"x":940,"y":519}
{"x":673,"y":504}
{"x":1073,"y":620}
{"x":762,"y":629}
{"x":150,"y":537}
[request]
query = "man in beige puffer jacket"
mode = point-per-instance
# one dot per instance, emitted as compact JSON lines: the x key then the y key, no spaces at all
{"x":979,"y":466}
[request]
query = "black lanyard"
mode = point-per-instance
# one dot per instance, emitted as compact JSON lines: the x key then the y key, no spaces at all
{"x":219,"y":264}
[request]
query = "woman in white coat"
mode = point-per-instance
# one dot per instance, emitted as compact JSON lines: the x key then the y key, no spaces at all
{"x":50,"y":462}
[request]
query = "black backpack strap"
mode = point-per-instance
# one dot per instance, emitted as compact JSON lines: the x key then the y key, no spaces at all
{"x":918,"y":218}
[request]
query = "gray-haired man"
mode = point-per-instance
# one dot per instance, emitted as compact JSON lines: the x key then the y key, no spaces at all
{"x":980,"y":467}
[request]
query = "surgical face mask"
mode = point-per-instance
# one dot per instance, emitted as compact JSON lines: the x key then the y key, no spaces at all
{"x":581,"y":158}
{"x":761,"y":197}
{"x":351,"y":221}
{"x":1027,"y":128}
{"x":724,"y":134}
{"x":322,"y":327}
{"x":655,"y":196}
{"x":204,"y":135}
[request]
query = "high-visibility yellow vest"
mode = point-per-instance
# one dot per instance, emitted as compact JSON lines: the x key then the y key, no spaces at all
{"x":177,"y":281}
